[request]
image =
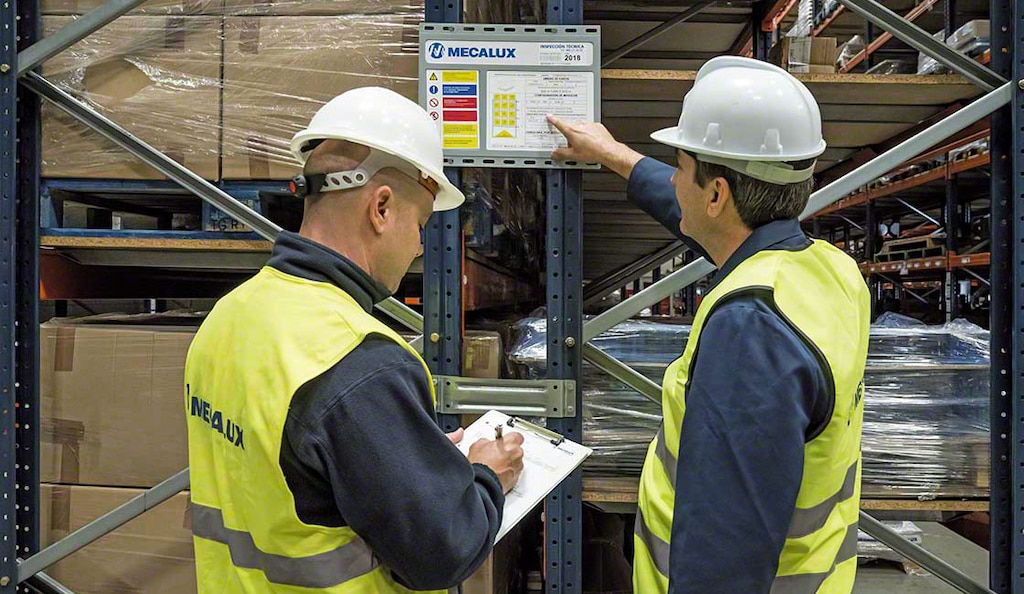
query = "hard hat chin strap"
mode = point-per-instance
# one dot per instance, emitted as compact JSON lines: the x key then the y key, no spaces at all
{"x":773,"y":172}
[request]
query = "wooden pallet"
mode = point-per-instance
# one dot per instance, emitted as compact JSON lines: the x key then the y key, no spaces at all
{"x":911,"y":248}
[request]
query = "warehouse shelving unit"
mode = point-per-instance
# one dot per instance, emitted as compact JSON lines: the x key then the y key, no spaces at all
{"x":861,"y":113}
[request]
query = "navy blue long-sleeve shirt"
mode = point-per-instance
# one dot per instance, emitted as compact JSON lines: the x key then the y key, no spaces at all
{"x":361,"y":448}
{"x":757,"y":394}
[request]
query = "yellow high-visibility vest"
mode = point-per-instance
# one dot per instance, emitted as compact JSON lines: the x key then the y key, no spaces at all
{"x":820,"y":293}
{"x":261,"y":343}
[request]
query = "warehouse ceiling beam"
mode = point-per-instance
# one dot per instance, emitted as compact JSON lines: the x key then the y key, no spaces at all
{"x":920,"y":40}
{"x":186,"y":178}
{"x":70,"y":34}
{"x":105,"y":524}
{"x":636,"y":42}
{"x":599,"y":288}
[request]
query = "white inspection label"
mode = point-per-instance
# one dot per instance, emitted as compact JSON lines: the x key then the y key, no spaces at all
{"x":519,"y":101}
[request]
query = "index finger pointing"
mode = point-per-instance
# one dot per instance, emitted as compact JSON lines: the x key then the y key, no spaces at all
{"x":557,"y":123}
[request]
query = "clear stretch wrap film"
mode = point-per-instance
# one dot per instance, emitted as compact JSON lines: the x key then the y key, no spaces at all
{"x":926,"y":403}
{"x":221,"y":86}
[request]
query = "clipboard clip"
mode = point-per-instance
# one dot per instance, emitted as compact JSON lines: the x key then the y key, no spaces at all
{"x":556,"y":439}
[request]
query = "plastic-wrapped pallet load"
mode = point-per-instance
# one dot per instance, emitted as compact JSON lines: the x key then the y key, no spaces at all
{"x":926,"y":403}
{"x":278,"y":70}
{"x":221,"y":93}
{"x":971,"y":39}
{"x":156,"y":76}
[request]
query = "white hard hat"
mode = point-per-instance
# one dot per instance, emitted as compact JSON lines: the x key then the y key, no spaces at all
{"x":749,"y":116}
{"x":384,"y":121}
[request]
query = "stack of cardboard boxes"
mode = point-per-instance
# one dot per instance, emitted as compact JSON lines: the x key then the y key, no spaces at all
{"x":219,"y":85}
{"x":113,"y":424}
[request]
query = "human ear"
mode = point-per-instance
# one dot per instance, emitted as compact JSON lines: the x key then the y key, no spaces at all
{"x":719,"y":196}
{"x":382,"y":208}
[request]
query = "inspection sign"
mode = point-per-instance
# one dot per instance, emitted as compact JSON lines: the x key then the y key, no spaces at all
{"x":489,"y":88}
{"x":453,"y":101}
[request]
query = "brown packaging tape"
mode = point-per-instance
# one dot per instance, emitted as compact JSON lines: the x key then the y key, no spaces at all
{"x":64,"y":352}
{"x":174,"y":33}
{"x":68,"y":435}
{"x":259,"y":163}
{"x":60,"y":509}
{"x":249,"y":35}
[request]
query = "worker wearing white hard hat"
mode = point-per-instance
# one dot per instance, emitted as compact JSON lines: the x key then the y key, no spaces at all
{"x":753,"y":481}
{"x":316,"y":462}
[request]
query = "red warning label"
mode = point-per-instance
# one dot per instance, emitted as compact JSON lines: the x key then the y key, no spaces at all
{"x":460,"y":102}
{"x":468,"y":115}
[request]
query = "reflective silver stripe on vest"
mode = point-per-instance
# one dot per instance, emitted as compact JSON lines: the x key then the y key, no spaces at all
{"x":807,"y":521}
{"x":668,"y":461}
{"x":658,"y":548}
{"x":808,"y":583}
{"x":322,"y":570}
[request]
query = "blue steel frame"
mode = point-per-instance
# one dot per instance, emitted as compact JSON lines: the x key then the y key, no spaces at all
{"x":564,"y":506}
{"x":19,"y":290}
{"x":1007,"y":422}
{"x":26,"y":258}
{"x":442,"y":343}
{"x":8,"y":281}
{"x":1016,"y":28}
{"x":442,"y":264}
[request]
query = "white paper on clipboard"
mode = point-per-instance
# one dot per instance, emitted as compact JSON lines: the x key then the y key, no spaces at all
{"x":547,"y":460}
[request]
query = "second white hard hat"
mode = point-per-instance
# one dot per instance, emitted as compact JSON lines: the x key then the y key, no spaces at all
{"x":383,"y":120}
{"x":749,"y":116}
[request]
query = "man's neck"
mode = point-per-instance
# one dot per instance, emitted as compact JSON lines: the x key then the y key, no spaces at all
{"x":724,"y":243}
{"x":340,"y":241}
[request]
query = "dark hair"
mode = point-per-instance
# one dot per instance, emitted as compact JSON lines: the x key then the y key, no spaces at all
{"x":759,"y":202}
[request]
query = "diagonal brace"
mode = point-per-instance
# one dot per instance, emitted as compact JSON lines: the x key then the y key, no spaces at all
{"x":918,"y":554}
{"x":622,"y":372}
{"x":103,"y":525}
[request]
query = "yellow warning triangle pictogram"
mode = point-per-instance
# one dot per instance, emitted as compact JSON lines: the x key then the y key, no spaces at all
{"x":504,"y":134}
{"x":433,"y":76}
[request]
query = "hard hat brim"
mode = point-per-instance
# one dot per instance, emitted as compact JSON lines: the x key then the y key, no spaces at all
{"x":670,"y":137}
{"x":448,"y":197}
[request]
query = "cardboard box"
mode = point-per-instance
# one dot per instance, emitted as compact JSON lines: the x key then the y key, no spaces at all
{"x":152,"y":554}
{"x":279,"y":70}
{"x":320,"y":7}
{"x":112,"y":403}
{"x":150,"y":7}
{"x":805,"y":54}
{"x":156,"y":76}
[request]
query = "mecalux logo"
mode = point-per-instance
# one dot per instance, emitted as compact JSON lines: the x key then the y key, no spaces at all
{"x":439,"y":51}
